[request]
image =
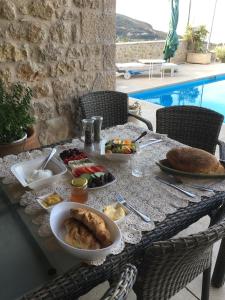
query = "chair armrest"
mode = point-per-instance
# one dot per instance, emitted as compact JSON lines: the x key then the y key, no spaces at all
{"x":148,"y":123}
{"x":121,"y":287}
{"x":221,"y":149}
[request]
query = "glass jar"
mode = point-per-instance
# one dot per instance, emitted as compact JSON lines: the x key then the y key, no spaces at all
{"x":88,"y":131}
{"x":97,"y":128}
{"x":79,"y":192}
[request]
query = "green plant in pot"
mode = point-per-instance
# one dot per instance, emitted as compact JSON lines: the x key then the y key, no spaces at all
{"x":16,"y":119}
{"x":220,"y":53}
{"x":195,"y":37}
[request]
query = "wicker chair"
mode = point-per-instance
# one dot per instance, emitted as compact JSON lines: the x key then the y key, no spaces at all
{"x":113,"y":106}
{"x":119,"y":288}
{"x":194,"y":126}
{"x":168,"y":266}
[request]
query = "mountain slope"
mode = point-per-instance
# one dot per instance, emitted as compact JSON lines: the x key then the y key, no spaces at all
{"x":128,"y":29}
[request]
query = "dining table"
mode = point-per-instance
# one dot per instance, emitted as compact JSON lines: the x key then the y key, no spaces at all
{"x":34,"y":266}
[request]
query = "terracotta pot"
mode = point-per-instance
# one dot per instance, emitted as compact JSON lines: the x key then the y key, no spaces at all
{"x":29,"y":143}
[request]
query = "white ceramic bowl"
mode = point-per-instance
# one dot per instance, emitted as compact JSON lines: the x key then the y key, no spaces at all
{"x":127,"y":212}
{"x":61,"y":212}
{"x":120,"y":156}
{"x":23,"y":170}
{"x":42,"y":198}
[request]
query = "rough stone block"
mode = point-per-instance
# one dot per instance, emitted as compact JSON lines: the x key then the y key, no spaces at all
{"x":10,"y":52}
{"x":109,"y":6}
{"x":64,"y":68}
{"x":109,"y":52}
{"x":42,"y":9}
{"x":49,"y":52}
{"x":63,"y":90}
{"x":55,"y":129}
{"x":41,"y":90}
{"x":25,"y":30}
{"x":30,"y":72}
{"x":7,"y":10}
{"x":60,"y":32}
{"x":104,"y":81}
{"x":94,"y":4}
{"x":5,"y":75}
{"x":68,"y":14}
{"x":44,"y":109}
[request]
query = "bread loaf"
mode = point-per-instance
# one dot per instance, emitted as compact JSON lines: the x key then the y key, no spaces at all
{"x":194,"y":160}
{"x":77,"y":235}
{"x":94,"y":223}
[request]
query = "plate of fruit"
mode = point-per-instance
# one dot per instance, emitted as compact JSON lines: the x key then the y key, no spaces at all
{"x":120,"y":149}
{"x":80,"y":165}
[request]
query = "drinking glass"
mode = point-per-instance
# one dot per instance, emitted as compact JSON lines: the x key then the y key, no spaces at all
{"x":97,"y":128}
{"x":139,"y":166}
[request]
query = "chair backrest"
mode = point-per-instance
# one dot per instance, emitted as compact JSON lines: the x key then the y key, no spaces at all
{"x":168,"y":266}
{"x":191,"y":125}
{"x":112,"y":105}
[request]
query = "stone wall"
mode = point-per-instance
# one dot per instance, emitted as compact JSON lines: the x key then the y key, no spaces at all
{"x":61,"y":49}
{"x":127,"y":52}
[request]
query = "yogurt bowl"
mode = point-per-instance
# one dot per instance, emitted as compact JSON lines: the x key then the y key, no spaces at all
{"x":23,"y":172}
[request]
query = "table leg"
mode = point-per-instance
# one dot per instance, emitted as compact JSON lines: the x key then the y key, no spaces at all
{"x":218,"y":277}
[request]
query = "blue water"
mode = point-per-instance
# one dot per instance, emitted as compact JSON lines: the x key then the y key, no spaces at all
{"x":208,"y":92}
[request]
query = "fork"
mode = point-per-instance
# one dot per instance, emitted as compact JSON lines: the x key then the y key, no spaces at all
{"x":122,"y":201}
{"x":194,"y":186}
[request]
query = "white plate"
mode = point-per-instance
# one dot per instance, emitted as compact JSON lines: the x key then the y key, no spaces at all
{"x":23,"y":170}
{"x":61,"y":212}
{"x":89,"y":157}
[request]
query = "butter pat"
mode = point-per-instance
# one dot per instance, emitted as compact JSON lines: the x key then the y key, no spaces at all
{"x":114,"y":212}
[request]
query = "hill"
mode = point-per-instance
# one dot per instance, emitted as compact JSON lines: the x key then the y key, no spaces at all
{"x":128,"y":30}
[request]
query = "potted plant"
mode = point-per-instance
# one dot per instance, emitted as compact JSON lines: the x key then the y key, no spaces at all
{"x":195,"y":36}
{"x":16,"y":120}
{"x":220,"y":53}
{"x":135,"y":108}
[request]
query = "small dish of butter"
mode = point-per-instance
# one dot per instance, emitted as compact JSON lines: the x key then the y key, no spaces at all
{"x":115,"y":212}
{"x":48,"y":201}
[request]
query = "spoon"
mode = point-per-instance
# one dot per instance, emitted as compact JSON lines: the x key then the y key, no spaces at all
{"x":48,"y":158}
{"x":140,"y":136}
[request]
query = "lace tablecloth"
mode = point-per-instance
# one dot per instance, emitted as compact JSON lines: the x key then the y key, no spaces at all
{"x":145,"y":193}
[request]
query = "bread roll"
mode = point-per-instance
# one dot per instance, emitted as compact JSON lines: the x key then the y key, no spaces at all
{"x":94,"y":223}
{"x":194,"y":160}
{"x":79,"y":236}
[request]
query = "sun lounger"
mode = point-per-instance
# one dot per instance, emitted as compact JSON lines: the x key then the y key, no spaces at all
{"x":132,"y":68}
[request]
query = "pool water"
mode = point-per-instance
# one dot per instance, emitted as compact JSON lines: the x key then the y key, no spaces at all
{"x":208,"y":92}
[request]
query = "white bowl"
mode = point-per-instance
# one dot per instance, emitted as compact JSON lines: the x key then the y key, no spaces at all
{"x":120,"y":157}
{"x":23,"y":170}
{"x":61,"y":212}
{"x":127,"y":212}
{"x":42,"y":198}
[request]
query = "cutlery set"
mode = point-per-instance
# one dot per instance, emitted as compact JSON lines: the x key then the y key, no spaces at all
{"x":174,"y":182}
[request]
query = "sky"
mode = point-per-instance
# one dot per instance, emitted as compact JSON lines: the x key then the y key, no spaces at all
{"x":157,"y":13}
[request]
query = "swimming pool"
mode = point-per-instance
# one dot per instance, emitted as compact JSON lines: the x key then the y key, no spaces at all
{"x":208,"y":92}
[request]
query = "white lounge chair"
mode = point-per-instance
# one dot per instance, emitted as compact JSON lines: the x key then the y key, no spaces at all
{"x":169,"y":66}
{"x":132,"y":68}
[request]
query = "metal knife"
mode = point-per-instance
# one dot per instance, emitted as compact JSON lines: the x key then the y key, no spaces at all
{"x":149,"y":143}
{"x":175,"y":187}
